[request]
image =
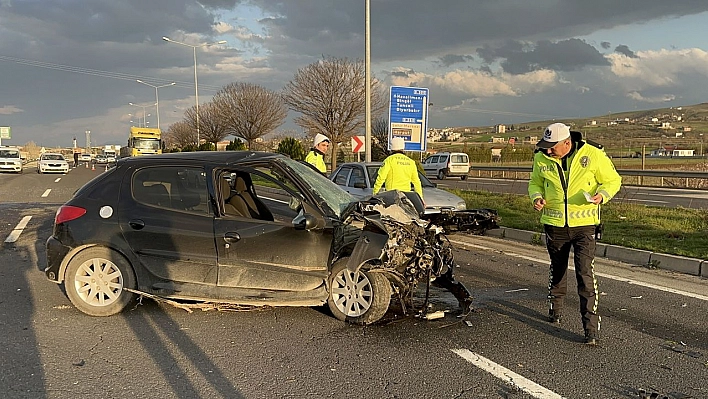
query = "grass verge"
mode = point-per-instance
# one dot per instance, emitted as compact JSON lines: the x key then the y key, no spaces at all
{"x":676,"y":231}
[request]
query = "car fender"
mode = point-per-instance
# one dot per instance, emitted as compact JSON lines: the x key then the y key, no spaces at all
{"x":370,"y":247}
{"x":75,"y":251}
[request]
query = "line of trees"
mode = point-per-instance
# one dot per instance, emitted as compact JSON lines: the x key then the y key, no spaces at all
{"x":329,"y":96}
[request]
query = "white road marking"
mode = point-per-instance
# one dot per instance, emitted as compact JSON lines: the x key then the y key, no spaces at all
{"x":15,"y":234}
{"x":506,"y":375}
{"x":57,"y":180}
{"x":605,"y":275}
{"x":46,"y":193}
{"x":643,"y":200}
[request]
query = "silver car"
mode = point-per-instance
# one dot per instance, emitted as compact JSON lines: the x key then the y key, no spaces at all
{"x":358,"y":179}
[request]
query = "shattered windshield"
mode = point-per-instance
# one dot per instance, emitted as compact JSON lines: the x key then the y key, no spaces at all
{"x":332,"y":195}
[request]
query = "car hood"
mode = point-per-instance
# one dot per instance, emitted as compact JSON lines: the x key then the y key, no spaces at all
{"x":437,"y":198}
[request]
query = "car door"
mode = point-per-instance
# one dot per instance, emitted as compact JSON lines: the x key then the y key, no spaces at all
{"x":274,"y":252}
{"x":429,"y":165}
{"x":357,"y":183}
{"x":168,"y":225}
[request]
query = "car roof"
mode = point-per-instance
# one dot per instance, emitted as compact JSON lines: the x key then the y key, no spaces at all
{"x":362,"y":163}
{"x":219,"y":157}
{"x":52,"y":153}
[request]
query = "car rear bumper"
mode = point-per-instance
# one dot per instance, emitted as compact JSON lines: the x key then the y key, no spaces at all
{"x":56,"y":252}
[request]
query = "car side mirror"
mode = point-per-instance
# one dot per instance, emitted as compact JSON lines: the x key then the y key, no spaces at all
{"x":304,"y":221}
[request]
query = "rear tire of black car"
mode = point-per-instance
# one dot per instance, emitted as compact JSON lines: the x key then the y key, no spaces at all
{"x":441,"y":175}
{"x":463,"y":177}
{"x":361,"y":297}
{"x":95,"y":280}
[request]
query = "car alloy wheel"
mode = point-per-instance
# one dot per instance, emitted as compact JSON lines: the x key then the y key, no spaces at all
{"x":441,"y":175}
{"x":95,"y":282}
{"x":360,"y":297}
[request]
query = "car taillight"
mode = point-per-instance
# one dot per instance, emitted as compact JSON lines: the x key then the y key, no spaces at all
{"x":67,"y":213}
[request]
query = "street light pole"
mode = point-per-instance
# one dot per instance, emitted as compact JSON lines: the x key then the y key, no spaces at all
{"x":157,"y":98}
{"x":196,"y":85}
{"x":144,"y":112}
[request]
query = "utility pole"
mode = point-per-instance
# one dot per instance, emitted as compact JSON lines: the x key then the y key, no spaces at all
{"x":88,"y":141}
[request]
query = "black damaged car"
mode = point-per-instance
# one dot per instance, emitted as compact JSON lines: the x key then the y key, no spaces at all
{"x":247,"y":228}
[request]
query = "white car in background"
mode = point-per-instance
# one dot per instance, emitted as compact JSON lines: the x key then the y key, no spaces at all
{"x":10,"y":160}
{"x":52,"y":162}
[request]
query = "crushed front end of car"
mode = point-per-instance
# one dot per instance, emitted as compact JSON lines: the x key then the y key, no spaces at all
{"x":411,"y":252}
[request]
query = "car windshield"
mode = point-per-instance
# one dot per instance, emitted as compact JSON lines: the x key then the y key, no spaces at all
{"x":53,"y":157}
{"x":9,"y":154}
{"x":146,"y":144}
{"x":331,"y":194}
{"x":374,"y":171}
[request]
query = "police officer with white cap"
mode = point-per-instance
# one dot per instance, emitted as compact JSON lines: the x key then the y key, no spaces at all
{"x":398,"y":171}
{"x":571,"y":178}
{"x":316,"y":155}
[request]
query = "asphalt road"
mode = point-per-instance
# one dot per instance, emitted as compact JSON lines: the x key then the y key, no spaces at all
{"x":653,"y":196}
{"x":653,"y":333}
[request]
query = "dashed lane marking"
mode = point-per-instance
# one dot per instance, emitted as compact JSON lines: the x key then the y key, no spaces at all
{"x":605,"y":275}
{"x":15,"y":234}
{"x":46,"y":193}
{"x":57,"y":180}
{"x":506,"y":375}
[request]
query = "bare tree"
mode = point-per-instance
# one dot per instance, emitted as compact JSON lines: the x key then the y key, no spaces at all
{"x":213,"y":124}
{"x":180,"y":134}
{"x":331,"y":96}
{"x":251,"y":111}
{"x":379,"y":138}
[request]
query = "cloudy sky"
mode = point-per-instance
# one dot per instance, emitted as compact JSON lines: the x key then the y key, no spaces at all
{"x":68,"y":66}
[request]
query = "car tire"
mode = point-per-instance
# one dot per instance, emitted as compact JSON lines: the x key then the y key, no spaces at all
{"x":463,"y":177}
{"x":373,"y":291}
{"x":441,"y":174}
{"x":94,"y":269}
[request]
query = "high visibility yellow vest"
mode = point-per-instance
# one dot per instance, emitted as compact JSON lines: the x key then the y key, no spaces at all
{"x":591,"y":171}
{"x":317,"y":160}
{"x":398,"y":172}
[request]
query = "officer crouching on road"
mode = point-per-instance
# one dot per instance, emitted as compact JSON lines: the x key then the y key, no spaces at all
{"x":398,"y":171}
{"x":569,"y":181}
{"x":316,"y":155}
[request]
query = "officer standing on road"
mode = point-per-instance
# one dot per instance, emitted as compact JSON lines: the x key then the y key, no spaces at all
{"x":76,"y":159}
{"x":398,"y":171}
{"x":316,"y":155}
{"x":571,"y":178}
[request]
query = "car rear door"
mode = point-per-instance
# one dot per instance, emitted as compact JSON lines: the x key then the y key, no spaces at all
{"x":168,"y":224}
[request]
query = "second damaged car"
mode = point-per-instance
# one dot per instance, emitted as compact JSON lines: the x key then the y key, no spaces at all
{"x":246,"y":228}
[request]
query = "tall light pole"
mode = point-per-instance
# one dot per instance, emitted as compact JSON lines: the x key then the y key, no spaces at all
{"x":367,"y":81}
{"x":144,"y":112}
{"x":196,"y":86}
{"x":157,"y":98}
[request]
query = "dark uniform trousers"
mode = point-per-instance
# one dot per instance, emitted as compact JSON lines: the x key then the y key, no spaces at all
{"x":559,"y":241}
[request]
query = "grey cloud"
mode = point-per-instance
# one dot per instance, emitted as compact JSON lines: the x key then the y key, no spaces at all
{"x":451,"y":59}
{"x":564,"y":55}
{"x":623,"y":49}
{"x":605,"y":45}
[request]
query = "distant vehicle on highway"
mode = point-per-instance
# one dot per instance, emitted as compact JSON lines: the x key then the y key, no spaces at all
{"x":358,"y":178}
{"x":10,"y":160}
{"x":52,"y":162}
{"x":85,"y":157}
{"x":447,"y":164}
{"x":101,"y":159}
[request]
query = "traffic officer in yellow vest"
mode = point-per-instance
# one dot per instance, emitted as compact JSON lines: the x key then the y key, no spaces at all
{"x":571,"y":178}
{"x":316,"y":155}
{"x":398,"y":171}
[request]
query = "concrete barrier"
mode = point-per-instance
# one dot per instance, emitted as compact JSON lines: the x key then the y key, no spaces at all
{"x":677,"y":263}
{"x":628,"y":255}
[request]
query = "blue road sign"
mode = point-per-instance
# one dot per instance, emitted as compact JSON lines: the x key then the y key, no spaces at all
{"x":408,"y":116}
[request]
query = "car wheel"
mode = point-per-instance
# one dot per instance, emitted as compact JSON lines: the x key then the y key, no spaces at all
{"x":359,"y":297}
{"x":463,"y":177}
{"x":441,"y":175}
{"x":95,"y":279}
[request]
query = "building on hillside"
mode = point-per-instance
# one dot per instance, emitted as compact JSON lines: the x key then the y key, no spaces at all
{"x":497,"y":140}
{"x":500,"y":129}
{"x":672,"y":151}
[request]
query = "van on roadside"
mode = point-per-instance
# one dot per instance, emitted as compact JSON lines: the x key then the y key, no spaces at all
{"x":447,"y":164}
